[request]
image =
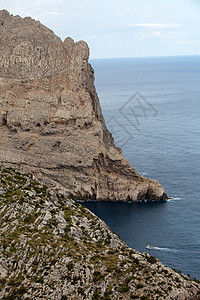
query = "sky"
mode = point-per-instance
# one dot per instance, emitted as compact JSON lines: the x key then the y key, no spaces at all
{"x":120,"y":28}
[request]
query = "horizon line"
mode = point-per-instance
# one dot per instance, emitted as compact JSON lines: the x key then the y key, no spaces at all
{"x":151,"y":56}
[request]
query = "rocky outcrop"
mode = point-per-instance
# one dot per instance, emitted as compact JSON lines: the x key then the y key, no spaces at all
{"x":51,"y":122}
{"x":54,"y":248}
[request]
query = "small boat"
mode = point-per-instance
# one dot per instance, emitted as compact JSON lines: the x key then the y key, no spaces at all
{"x":149,"y":247}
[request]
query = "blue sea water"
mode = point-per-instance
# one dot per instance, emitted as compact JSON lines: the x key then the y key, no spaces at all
{"x":152,"y":107}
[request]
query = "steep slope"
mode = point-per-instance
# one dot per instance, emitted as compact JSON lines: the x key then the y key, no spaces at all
{"x":51,"y":122}
{"x":53,"y":248}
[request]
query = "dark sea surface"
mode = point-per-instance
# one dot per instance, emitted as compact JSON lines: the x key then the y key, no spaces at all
{"x":152,"y":107}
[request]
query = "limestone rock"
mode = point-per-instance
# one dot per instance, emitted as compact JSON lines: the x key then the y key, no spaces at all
{"x":60,"y":250}
{"x":51,"y":122}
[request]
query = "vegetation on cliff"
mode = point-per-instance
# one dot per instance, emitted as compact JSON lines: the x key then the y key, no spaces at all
{"x":54,"y":248}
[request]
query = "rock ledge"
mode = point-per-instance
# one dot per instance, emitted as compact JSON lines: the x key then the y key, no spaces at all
{"x":51,"y":122}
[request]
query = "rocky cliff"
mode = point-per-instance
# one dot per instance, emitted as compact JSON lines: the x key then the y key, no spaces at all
{"x":51,"y":122}
{"x":53,"y":248}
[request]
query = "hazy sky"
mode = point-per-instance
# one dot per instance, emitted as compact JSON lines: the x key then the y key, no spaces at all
{"x":120,"y":28}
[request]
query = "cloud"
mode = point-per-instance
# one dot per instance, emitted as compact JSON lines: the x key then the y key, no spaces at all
{"x":49,"y":2}
{"x":156,"y":34}
{"x":156,"y":25}
{"x":107,"y":36}
{"x":93,"y":37}
{"x":119,"y":36}
{"x":53,"y":13}
{"x":133,"y":10}
{"x":188,"y":42}
{"x":126,"y":11}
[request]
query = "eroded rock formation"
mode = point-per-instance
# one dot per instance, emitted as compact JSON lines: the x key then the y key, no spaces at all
{"x":51,"y":122}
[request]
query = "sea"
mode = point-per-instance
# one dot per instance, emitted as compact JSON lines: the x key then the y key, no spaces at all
{"x":152,"y":107}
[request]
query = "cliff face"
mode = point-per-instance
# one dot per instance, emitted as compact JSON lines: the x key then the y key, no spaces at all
{"x":53,"y":248}
{"x":51,"y":122}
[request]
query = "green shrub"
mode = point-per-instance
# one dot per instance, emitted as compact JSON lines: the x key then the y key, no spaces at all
{"x":70,"y":266}
{"x":97,"y":276}
{"x":151,"y":259}
{"x":144,"y":297}
{"x":139,"y":286}
{"x":108,"y":293}
{"x":39,"y":280}
{"x":96,"y":295}
{"x":196,"y":280}
{"x":16,"y":281}
{"x":22,"y":290}
{"x":124,"y":288}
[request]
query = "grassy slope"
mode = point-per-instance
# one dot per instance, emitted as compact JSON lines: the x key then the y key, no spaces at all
{"x":54,"y":248}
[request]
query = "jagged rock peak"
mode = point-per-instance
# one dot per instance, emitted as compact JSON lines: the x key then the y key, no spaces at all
{"x":51,"y":122}
{"x":31,"y":50}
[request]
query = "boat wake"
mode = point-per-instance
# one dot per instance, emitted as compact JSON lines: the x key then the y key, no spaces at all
{"x":171,"y":199}
{"x":161,"y":249}
{"x":143,"y":174}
